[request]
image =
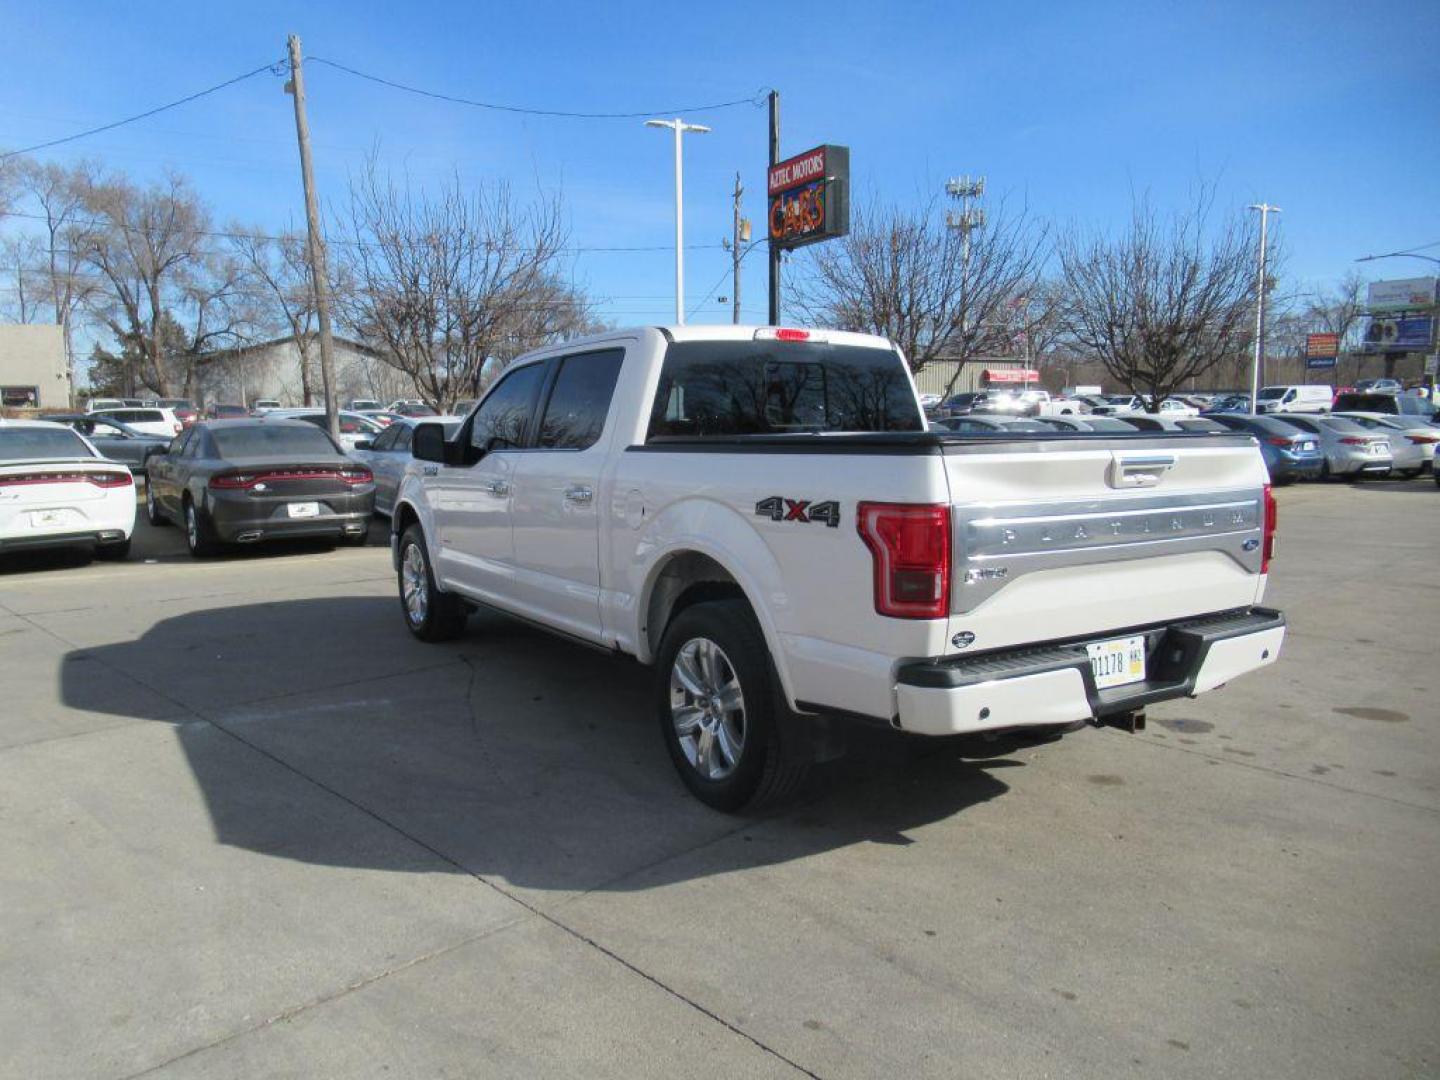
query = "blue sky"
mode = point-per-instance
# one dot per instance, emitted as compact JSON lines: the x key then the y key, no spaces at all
{"x":1330,"y":110}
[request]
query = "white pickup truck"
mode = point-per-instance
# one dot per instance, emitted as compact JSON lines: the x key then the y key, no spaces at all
{"x":762,"y":516}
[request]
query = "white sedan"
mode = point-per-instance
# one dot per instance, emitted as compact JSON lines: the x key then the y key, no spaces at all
{"x":57,"y":491}
{"x":354,"y":428}
{"x":1413,"y":439}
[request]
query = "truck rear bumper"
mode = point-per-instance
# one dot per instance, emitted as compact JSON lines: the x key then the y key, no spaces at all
{"x":1053,"y":683}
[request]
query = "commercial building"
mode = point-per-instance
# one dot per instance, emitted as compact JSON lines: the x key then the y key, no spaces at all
{"x":277,"y":370}
{"x":33,"y":372}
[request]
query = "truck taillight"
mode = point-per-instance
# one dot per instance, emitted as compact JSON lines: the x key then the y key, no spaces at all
{"x":910,"y":545}
{"x":1272,"y":519}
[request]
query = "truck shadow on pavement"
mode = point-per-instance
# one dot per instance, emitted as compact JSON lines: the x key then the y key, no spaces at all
{"x":320,"y":728}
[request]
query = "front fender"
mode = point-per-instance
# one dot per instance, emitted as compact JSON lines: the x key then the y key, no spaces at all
{"x":710,"y":528}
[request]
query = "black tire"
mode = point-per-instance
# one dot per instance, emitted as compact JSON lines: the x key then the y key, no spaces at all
{"x":153,"y":513}
{"x":113,"y":552}
{"x":1410,"y":474}
{"x":771,"y":763}
{"x":199,"y":536}
{"x":441,"y":616}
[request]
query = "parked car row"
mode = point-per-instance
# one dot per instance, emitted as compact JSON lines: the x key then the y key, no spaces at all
{"x":1353,"y":445}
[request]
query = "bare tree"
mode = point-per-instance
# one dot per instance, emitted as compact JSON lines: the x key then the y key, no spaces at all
{"x":443,"y":284}
{"x":149,"y":248}
{"x":1165,"y":301}
{"x":22,"y":297}
{"x":906,"y":275}
{"x":279,"y":271}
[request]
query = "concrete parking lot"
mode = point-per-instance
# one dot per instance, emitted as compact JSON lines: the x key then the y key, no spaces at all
{"x":249,"y":827}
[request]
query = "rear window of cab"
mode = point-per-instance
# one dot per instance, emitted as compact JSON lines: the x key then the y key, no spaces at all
{"x":720,"y":388}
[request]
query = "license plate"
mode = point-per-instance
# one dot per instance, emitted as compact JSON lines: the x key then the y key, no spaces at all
{"x":48,"y":519}
{"x":310,"y":509}
{"x":1117,"y":662}
{"x":1307,"y":446}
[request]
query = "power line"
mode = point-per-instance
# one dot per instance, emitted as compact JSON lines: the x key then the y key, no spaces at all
{"x":275,"y":68}
{"x":730,"y":270}
{"x":223,"y":235}
{"x":756,"y":100}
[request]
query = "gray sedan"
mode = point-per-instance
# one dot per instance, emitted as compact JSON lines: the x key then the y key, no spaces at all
{"x":1350,"y":450}
{"x":1412,"y":439}
{"x":116,"y":440}
{"x":240,"y":481}
{"x":389,"y":454}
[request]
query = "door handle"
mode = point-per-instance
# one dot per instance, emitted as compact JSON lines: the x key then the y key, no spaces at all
{"x":497,"y":487}
{"x":1133,"y":472}
{"x":580,"y":494}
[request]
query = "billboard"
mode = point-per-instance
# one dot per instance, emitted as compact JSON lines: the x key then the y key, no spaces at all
{"x":1405,"y":294}
{"x":1400,"y":333}
{"x":810,"y":197}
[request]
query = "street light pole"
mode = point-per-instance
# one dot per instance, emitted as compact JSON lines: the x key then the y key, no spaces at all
{"x":680,"y":128}
{"x":1257,"y":371}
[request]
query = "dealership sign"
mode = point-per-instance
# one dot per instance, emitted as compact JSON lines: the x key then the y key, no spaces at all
{"x":810,"y":197}
{"x":1405,"y":294}
{"x":1321,"y":350}
{"x":998,"y":376}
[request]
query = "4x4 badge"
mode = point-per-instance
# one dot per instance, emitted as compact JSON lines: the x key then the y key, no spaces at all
{"x":779,"y":508}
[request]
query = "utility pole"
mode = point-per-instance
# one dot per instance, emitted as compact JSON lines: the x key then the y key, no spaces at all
{"x":680,"y":128}
{"x":774,"y":247}
{"x":739,"y":239}
{"x":319,"y":273}
{"x":1257,"y":371}
{"x":967,"y":220}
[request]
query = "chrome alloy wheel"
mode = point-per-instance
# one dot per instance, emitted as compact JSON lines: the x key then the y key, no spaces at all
{"x":192,"y":526}
{"x":414,"y":585}
{"x":707,"y":707}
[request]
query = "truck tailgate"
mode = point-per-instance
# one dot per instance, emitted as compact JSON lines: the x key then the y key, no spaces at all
{"x":1057,"y":539}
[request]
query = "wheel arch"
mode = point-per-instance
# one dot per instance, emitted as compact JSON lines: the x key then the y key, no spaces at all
{"x":692,"y":573}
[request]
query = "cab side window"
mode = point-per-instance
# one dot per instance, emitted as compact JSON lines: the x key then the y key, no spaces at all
{"x":580,"y":400}
{"x":504,"y":415}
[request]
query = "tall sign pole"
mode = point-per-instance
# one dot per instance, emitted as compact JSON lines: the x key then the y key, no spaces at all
{"x":319,"y":273}
{"x":1257,"y":370}
{"x":774,"y":247}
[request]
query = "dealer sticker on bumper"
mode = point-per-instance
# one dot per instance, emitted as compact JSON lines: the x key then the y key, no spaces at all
{"x":1118,"y":662}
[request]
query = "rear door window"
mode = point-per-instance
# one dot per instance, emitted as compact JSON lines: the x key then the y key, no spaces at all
{"x":580,"y":400}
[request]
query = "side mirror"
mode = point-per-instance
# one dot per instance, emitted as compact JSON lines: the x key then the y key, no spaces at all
{"x":428,"y":443}
{"x":364,"y":444}
{"x":154,"y":451}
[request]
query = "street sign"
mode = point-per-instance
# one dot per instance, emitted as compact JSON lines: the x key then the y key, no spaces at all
{"x":1404,"y":294}
{"x":1317,"y":362}
{"x":810,"y":197}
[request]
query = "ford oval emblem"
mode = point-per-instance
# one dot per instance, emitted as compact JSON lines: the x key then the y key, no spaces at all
{"x":1251,"y":544}
{"x":963,"y":640}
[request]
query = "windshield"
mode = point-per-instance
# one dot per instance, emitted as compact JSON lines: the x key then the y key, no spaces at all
{"x":271,"y":440}
{"x":770,"y":387}
{"x":1119,"y":399}
{"x":1272,"y":393}
{"x":41,"y":444}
